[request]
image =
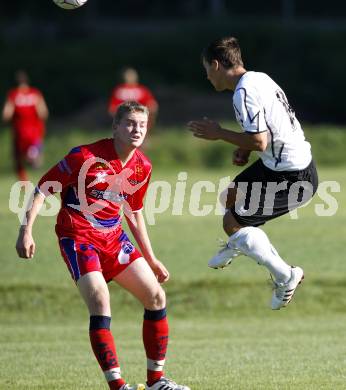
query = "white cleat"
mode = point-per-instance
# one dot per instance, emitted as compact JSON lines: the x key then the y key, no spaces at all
{"x":134,"y":387}
{"x":224,"y":257}
{"x":283,"y":292}
{"x":166,"y":384}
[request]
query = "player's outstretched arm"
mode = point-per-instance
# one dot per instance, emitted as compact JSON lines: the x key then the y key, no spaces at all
{"x":212,"y":131}
{"x":25,"y":245}
{"x":138,"y":228}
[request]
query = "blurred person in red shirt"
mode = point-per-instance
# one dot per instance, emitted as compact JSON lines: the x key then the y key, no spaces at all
{"x":27,"y":111}
{"x":131,"y":90}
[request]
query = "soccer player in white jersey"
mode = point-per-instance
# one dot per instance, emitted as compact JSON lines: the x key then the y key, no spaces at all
{"x":283,"y":178}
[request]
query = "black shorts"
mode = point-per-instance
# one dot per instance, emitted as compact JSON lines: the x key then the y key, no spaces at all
{"x":264,"y":194}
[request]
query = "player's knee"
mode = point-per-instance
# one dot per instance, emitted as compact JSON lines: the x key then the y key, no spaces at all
{"x":156,"y":300}
{"x":98,"y":301}
{"x":230,"y":225}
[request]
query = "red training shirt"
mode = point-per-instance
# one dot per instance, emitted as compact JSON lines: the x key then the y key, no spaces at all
{"x":26,"y":122}
{"x":128,"y":92}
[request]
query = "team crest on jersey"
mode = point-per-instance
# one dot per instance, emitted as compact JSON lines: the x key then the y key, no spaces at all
{"x":138,"y":169}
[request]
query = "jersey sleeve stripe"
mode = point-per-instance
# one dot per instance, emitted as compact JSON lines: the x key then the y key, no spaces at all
{"x":38,"y":191}
{"x":66,"y":166}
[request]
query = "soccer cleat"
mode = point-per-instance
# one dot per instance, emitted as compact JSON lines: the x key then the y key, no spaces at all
{"x":283,"y":292}
{"x":134,"y":387}
{"x":166,"y":384}
{"x":225,"y":256}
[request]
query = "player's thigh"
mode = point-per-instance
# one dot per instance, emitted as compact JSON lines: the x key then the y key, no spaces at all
{"x":230,"y":223}
{"x":94,"y":291}
{"x":228,"y":196}
{"x":239,"y":187}
{"x":83,"y":263}
{"x":80,"y":257}
{"x":139,"y":279}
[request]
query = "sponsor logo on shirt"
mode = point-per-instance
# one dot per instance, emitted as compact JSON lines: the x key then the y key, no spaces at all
{"x":108,"y":195}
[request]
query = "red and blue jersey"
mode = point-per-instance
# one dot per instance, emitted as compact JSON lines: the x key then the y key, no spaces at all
{"x":94,"y":186}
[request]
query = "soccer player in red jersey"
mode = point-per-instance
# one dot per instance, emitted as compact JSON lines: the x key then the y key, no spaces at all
{"x":130,"y":89}
{"x":26,"y":108}
{"x":95,"y":181}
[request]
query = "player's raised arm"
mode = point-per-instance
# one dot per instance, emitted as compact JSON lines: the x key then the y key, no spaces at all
{"x":138,"y":228}
{"x":212,"y":131}
{"x":25,"y":245}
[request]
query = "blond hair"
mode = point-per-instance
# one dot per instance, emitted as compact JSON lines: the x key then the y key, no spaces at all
{"x":128,"y":108}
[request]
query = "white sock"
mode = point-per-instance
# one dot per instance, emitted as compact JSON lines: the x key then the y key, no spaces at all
{"x":254,"y":243}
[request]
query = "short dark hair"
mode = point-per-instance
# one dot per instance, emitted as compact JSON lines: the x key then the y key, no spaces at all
{"x":225,"y":50}
{"x":127,"y":108}
{"x":21,"y":77}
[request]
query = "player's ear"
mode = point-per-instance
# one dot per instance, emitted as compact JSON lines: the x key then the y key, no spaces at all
{"x":215,"y":65}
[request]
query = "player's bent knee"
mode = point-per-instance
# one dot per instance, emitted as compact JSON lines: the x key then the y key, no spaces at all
{"x":94,"y":291}
{"x":99,"y":299}
{"x":156,"y":300}
{"x":230,"y":225}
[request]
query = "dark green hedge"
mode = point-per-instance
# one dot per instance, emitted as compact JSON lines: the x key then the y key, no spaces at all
{"x":75,"y":64}
{"x":176,"y":148}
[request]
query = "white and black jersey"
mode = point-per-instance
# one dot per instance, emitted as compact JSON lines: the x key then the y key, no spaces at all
{"x":261,"y":105}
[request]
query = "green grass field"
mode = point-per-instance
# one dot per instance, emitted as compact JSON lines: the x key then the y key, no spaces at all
{"x":223,"y":334}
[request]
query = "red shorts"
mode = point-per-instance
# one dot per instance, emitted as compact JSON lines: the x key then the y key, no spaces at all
{"x":112,"y":258}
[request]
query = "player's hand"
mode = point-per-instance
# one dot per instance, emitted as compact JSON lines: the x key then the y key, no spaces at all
{"x":206,"y":129}
{"x":241,"y":157}
{"x":159,"y":270}
{"x":25,"y":245}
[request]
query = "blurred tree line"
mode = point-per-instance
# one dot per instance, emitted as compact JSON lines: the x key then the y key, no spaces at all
{"x":75,"y":56}
{"x":182,"y":8}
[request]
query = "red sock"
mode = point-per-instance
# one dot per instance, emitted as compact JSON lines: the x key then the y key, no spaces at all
{"x":155,"y":339}
{"x":102,"y":343}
